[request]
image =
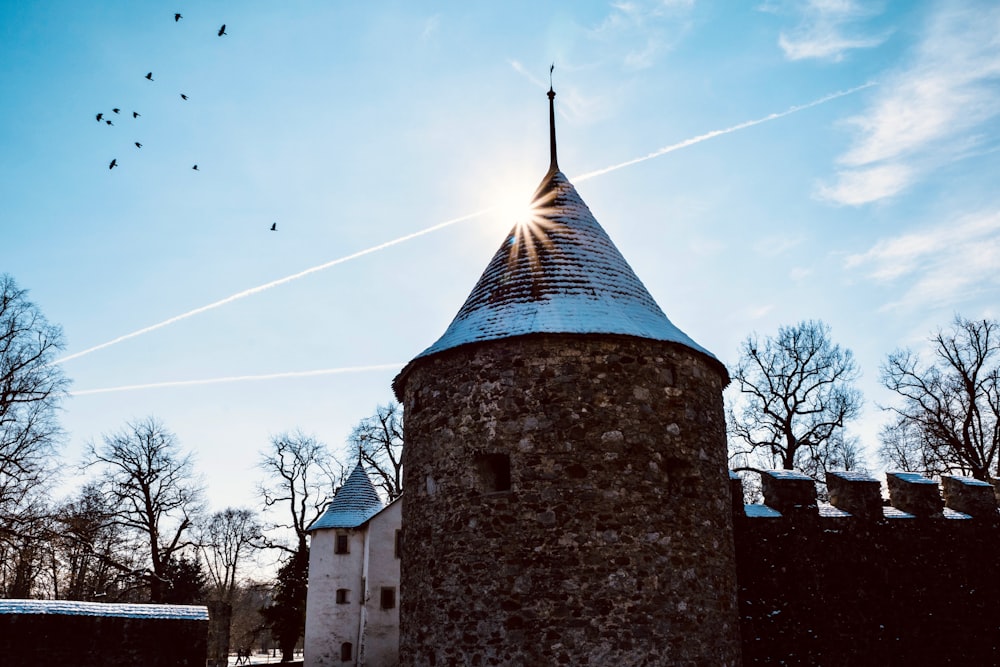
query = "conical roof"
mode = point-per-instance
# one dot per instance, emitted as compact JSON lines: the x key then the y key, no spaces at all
{"x":558,"y":273}
{"x":354,"y":504}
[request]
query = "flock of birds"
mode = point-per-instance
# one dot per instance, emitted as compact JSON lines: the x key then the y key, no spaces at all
{"x":149,"y":77}
{"x":101,"y":116}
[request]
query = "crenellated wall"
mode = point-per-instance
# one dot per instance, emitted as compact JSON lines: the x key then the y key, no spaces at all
{"x":859,"y":581}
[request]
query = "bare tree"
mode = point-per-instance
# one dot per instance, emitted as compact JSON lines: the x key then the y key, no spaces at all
{"x":300,"y":484}
{"x":151,"y":485}
{"x":950,"y":405}
{"x":377,"y":441}
{"x":797,"y":392}
{"x":31,"y":389}
{"x":91,"y":554}
{"x":226,"y":539}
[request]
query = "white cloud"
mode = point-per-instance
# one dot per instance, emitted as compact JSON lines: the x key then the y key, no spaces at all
{"x":759,"y":312}
{"x":953,"y":262}
{"x":861,"y":186}
{"x":431,"y":27}
{"x":640,"y":31}
{"x":929,"y":113}
{"x":828,"y":29}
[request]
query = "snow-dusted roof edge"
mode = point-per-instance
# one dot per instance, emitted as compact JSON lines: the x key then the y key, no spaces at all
{"x":77,"y":608}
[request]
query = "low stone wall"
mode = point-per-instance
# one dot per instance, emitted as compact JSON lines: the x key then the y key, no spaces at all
{"x":87,"y":634}
{"x":859,"y":582}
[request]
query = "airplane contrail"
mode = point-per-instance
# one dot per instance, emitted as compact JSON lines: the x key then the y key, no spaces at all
{"x":273,"y":283}
{"x":241,"y":378}
{"x":718,"y":133}
{"x":448,"y":223}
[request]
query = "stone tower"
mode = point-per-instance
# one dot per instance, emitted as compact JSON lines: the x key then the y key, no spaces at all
{"x":567,"y":498}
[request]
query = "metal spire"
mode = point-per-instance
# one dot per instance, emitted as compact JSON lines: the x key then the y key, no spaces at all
{"x":553,"y":163}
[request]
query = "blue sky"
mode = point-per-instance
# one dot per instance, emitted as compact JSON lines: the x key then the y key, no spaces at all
{"x":865,"y":197}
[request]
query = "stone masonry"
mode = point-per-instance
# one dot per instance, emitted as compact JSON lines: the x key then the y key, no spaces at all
{"x":567,"y":503}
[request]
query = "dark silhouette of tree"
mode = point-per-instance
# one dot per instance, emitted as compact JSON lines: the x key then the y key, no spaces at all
{"x":377,"y":441}
{"x":299,"y":484}
{"x":225,"y":539}
{"x":948,"y":416}
{"x":91,"y":552}
{"x":286,"y":615}
{"x":797,"y":391}
{"x":31,"y":390}
{"x":185,"y":580}
{"x":151,"y":485}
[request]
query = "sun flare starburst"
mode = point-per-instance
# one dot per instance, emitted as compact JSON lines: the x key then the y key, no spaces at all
{"x":531,"y":231}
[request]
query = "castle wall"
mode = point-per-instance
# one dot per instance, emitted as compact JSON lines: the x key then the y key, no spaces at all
{"x":859,"y":583}
{"x":88,"y":634}
{"x":567,"y":503}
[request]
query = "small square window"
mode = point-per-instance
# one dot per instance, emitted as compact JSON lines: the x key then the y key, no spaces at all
{"x":341,"y":546}
{"x":343,"y":596}
{"x":493,"y":471}
{"x":346,"y":652}
{"x":388,"y":597}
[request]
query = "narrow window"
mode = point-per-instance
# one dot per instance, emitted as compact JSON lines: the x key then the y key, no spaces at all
{"x":346,"y":652}
{"x":388,"y":597}
{"x":343,"y":596}
{"x":341,"y":546}
{"x":494,"y":472}
{"x":399,"y":543}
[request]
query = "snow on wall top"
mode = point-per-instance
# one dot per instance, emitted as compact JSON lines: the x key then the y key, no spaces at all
{"x":560,"y":273}
{"x":76,"y":608}
{"x":355,"y":503}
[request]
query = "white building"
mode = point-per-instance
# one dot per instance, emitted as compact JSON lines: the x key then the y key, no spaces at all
{"x":352,"y":609}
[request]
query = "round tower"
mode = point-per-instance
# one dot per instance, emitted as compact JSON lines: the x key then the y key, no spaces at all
{"x":567,"y":498}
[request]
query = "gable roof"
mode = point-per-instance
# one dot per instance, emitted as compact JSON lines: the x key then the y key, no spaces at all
{"x":558,"y":273}
{"x":355,"y":503}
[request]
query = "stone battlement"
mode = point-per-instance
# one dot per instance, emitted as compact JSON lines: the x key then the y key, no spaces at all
{"x":863,"y":580}
{"x":789,"y":493}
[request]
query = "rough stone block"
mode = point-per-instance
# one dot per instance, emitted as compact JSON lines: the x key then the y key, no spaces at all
{"x":914,"y":494}
{"x":789,"y":492}
{"x":736,"y":489}
{"x":854,"y":492}
{"x":969,"y":496}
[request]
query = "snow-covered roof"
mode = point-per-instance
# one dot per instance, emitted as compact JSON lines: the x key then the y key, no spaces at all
{"x":558,"y":273}
{"x":355,"y":503}
{"x":76,"y":608}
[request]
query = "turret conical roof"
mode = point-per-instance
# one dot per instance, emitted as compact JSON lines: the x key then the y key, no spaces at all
{"x":355,"y":503}
{"x":558,"y":273}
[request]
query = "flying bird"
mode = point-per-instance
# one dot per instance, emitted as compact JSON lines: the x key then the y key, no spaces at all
{"x":99,"y":117}
{"x":149,"y":76}
{"x":177,"y":17}
{"x":274,"y":226}
{"x":116,"y":110}
{"x":109,"y":122}
{"x":114,"y":163}
{"x":183,"y":96}
{"x":138,"y":145}
{"x":222,"y":30}
{"x":136,"y":114}
{"x":195,"y":167}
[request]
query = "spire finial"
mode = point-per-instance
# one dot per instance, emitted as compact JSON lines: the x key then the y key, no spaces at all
{"x":553,"y":163}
